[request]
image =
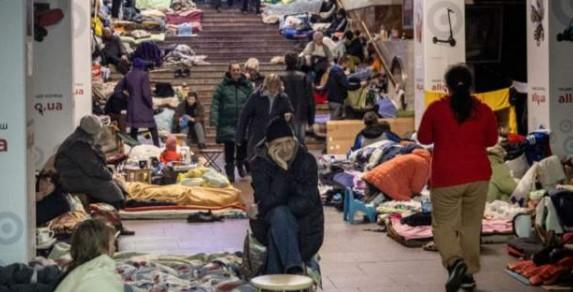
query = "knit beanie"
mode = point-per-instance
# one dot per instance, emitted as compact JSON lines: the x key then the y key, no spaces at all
{"x":278,"y":128}
{"x":91,"y":124}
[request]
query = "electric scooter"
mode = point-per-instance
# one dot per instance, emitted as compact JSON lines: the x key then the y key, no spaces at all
{"x":451,"y":39}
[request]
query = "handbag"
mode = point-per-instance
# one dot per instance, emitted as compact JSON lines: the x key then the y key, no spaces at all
{"x":254,"y":257}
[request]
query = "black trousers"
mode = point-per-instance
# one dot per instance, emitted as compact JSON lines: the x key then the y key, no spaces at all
{"x":235,"y":153}
{"x":154,"y":135}
{"x":257,"y":4}
{"x":121,"y":66}
{"x":115,"y":6}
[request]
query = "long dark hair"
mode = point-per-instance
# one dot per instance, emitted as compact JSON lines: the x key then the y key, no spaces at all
{"x":459,"y":81}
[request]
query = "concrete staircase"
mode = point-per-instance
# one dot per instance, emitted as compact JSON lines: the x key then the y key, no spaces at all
{"x":229,"y":36}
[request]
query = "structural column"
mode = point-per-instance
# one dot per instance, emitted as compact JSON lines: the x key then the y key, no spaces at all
{"x":550,"y":71}
{"x":17,"y":214}
{"x":439,"y":42}
{"x":62,"y":90}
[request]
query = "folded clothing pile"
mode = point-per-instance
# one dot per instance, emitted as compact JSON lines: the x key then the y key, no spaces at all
{"x":204,"y":177}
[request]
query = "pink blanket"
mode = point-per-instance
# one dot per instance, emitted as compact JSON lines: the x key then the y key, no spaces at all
{"x":425,"y":232}
{"x":193,"y":16}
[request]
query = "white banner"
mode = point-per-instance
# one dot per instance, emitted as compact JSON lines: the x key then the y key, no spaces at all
{"x":550,"y":70}
{"x":81,"y":49}
{"x":439,"y":34}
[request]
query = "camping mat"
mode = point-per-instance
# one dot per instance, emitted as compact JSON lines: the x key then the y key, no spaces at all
{"x":157,"y":213}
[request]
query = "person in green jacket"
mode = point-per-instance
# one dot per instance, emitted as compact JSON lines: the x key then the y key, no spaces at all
{"x":228,"y":100}
{"x":502,"y":183}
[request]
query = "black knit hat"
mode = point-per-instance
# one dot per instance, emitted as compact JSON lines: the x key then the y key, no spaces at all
{"x":278,"y":128}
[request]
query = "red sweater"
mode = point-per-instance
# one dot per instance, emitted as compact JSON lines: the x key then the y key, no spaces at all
{"x":460,"y":155}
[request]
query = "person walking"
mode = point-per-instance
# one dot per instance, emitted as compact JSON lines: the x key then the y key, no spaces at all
{"x":298,"y":88}
{"x":265,"y":104}
{"x":139,"y":101}
{"x":256,"y":3}
{"x":228,"y":100}
{"x":461,"y":128}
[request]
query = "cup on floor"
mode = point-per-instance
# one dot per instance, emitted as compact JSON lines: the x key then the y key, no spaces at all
{"x":43,"y":234}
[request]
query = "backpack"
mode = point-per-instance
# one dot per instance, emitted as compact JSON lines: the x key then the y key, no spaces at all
{"x":254,"y":257}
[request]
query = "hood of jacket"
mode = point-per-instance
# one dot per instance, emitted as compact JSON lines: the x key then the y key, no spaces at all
{"x":373,"y":132}
{"x":228,"y":80}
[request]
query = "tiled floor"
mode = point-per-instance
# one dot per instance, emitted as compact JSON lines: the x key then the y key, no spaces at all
{"x":353,"y":259}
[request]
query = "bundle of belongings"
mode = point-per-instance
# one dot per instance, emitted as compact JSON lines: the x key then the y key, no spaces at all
{"x":296,"y":27}
{"x":181,"y":55}
{"x":216,"y":272}
{"x":272,"y":13}
{"x":183,"y":19}
{"x":41,"y":274}
{"x":543,"y":242}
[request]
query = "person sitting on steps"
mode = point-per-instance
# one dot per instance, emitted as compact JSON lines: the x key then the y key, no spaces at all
{"x":189,"y":117}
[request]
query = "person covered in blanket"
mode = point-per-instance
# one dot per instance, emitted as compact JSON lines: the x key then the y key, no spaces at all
{"x":92,"y":269}
{"x":287,"y":216}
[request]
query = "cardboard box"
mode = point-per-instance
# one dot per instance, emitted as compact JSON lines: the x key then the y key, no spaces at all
{"x":340,"y":135}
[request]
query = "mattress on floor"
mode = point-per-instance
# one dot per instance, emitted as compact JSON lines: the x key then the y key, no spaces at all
{"x":175,"y":212}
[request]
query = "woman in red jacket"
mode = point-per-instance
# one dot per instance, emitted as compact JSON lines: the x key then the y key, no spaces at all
{"x":461,"y":128}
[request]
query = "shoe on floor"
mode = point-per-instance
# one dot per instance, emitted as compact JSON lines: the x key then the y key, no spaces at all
{"x":468,"y":283}
{"x":203,"y":217}
{"x":456,"y":273}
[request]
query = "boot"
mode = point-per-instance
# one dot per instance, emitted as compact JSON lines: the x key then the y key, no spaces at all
{"x":241,"y":169}
{"x":230,"y":171}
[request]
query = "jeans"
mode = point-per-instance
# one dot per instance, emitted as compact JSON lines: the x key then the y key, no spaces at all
{"x":154,"y":135}
{"x":115,"y":6}
{"x":196,"y":133}
{"x":283,"y":251}
{"x":336,"y":111}
{"x":231,"y":149}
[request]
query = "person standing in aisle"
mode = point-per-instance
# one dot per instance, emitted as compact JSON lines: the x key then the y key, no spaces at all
{"x":217,"y":4}
{"x":461,"y":128}
{"x":228,"y":100}
{"x":139,"y":100}
{"x":263,"y":105}
{"x":298,"y":88}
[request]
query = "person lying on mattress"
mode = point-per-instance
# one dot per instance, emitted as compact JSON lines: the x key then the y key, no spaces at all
{"x":287,"y":216}
{"x":81,"y":165}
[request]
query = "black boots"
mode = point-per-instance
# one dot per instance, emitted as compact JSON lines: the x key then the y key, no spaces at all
{"x":230,"y":172}
{"x":456,"y":273}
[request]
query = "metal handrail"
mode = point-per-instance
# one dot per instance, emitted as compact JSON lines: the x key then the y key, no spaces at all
{"x":374,"y":44}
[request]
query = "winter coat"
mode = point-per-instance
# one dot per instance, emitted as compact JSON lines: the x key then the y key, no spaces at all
{"x":228,"y":100}
{"x":81,"y":163}
{"x":337,"y":86}
{"x":98,"y":275}
{"x":197,"y":111}
{"x":502,"y":183}
{"x":403,"y":176}
{"x":139,"y":100}
{"x":256,"y":115}
{"x":295,"y":188}
{"x":299,"y":89}
{"x":355,"y":48}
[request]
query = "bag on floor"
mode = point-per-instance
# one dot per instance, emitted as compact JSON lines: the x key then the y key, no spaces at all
{"x":254,"y":257}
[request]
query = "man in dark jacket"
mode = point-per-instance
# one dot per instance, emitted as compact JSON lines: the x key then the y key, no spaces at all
{"x":337,"y":88}
{"x":288,"y":218}
{"x":228,"y":100}
{"x":264,"y":105}
{"x":298,"y":88}
{"x":189,"y":116}
{"x":354,"y":47}
{"x":81,"y":165}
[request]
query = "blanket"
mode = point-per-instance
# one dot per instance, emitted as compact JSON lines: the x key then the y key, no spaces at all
{"x":192,"y":197}
{"x":296,"y":7}
{"x":201,"y":272}
{"x":152,"y":4}
{"x":190,"y":16}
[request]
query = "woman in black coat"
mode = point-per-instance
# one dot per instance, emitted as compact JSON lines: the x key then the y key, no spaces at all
{"x":262,"y":106}
{"x":288,"y":217}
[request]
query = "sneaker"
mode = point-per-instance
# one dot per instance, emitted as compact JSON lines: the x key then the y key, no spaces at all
{"x":456,"y":273}
{"x":468,"y":283}
{"x":241,"y":170}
